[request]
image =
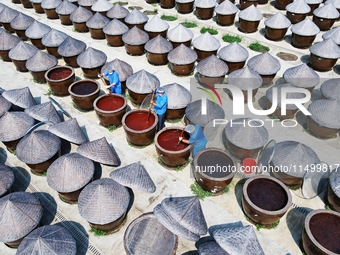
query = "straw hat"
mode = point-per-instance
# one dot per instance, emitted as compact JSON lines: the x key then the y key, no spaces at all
{"x":50,"y":4}
{"x":298,"y":6}
{"x":334,"y":34}
{"x":135,"y":36}
{"x":238,"y":240}
{"x":7,"y":178}
{"x":194,"y":115}
{"x":326,"y":49}
{"x":20,"y":97}
{"x":325,"y":112}
{"x":103,"y":201}
{"x":37,"y":147}
{"x":233,"y":52}
{"x":205,"y":3}
{"x":71,"y":47}
{"x":8,"y":41}
{"x":331,"y":89}
{"x":278,"y":21}
{"x":7,"y":15}
{"x":251,"y":13}
{"x":245,"y":78}
{"x":142,"y":82}
{"x":115,"y":27}
{"x":290,"y":153}
{"x":37,"y":30}
{"x":301,"y":76}
{"x":53,"y":38}
{"x":134,"y":176}
{"x":69,"y":130}
{"x":178,"y":96}
{"x":97,"y":21}
{"x":206,"y":42}
{"x":117,"y":12}
{"x":48,"y":239}
{"x":226,"y":8}
{"x":101,"y":6}
{"x":91,"y":58}
{"x":65,"y":8}
{"x":80,"y":15}
{"x":211,"y":247}
{"x":156,"y":24}
{"x":327,"y":11}
{"x":182,"y":55}
{"x":305,"y":28}
{"x":14,"y":125}
{"x":212,"y":66}
{"x":20,"y":214}
{"x":22,"y":51}
{"x":334,"y":181}
{"x":180,"y":34}
{"x":21,"y":22}
{"x":4,"y":105}
{"x":41,"y":61}
{"x":136,"y":17}
{"x":99,"y":151}
{"x":44,"y":112}
{"x":70,"y":172}
{"x":264,"y":64}
{"x":123,"y":69}
{"x":158,"y":45}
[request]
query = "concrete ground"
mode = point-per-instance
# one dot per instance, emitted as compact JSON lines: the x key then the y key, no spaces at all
{"x":225,"y":209}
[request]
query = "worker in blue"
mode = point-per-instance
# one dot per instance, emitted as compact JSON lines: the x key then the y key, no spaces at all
{"x":115,"y":85}
{"x":160,"y":106}
{"x":197,"y":138}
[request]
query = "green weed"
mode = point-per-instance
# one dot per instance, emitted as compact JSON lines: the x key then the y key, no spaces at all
{"x":121,"y":3}
{"x":44,"y":173}
{"x":231,"y":38}
{"x":199,"y":192}
{"x":256,"y":46}
{"x":97,"y":232}
{"x":113,"y":127}
{"x":189,"y":24}
{"x":50,"y":93}
{"x":76,"y":107}
{"x":39,"y":81}
{"x":210,"y":30}
{"x":168,"y":17}
{"x":75,"y":30}
{"x":327,"y":207}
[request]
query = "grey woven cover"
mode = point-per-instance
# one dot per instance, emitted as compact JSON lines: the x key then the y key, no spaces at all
{"x":136,"y":17}
{"x":20,"y":214}
{"x":48,"y":239}
{"x":80,"y":15}
{"x":278,"y":21}
{"x":331,"y":89}
{"x":7,"y":178}
{"x":4,"y":105}
{"x":91,"y":58}
{"x":211,"y":247}
{"x":233,"y":52}
{"x":212,"y":66}
{"x":289,"y":95}
{"x":238,"y":240}
{"x":123,"y":69}
{"x":103,"y":201}
{"x":20,"y":97}
{"x":180,"y":34}
{"x":135,"y":36}
{"x":21,"y":22}
{"x":13,"y":125}
{"x":194,"y":115}
{"x":292,"y":153}
{"x":86,"y":2}
{"x":53,"y":38}
{"x":66,"y":8}
{"x":146,"y":230}
{"x":206,"y":42}
{"x":334,"y":34}
{"x":7,"y":14}
{"x":334,"y":181}
{"x":334,"y":2}
{"x":264,"y":64}
{"x":251,"y":13}
{"x":142,"y":82}
{"x":70,"y":172}
{"x":69,"y":130}
{"x":205,"y":3}
{"x":245,"y":78}
{"x":298,"y":6}
{"x":117,"y":12}
{"x":167,"y":221}
{"x":36,"y":1}
{"x":182,"y":55}
{"x":41,"y":61}
{"x":100,"y":151}
{"x":302,"y":76}
{"x":8,"y":41}
{"x":50,"y":4}
{"x":97,"y":21}
{"x":184,"y":1}
{"x":313,"y":1}
{"x":71,"y":47}
{"x":226,"y":8}
{"x":37,"y":147}
{"x":2,"y":30}
{"x":178,"y":96}
{"x":101,"y":6}
{"x":2,"y":6}
{"x":37,"y":30}
{"x":44,"y":112}
{"x":327,"y":11}
{"x":22,"y":51}
{"x":156,"y":24}
{"x":325,"y":112}
{"x":305,"y":28}
{"x":245,"y":136}
{"x":134,"y":176}
{"x":158,"y":45}
{"x":115,"y":27}
{"x":187,"y":211}
{"x":326,"y":49}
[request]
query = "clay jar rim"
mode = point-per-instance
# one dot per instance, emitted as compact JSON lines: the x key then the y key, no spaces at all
{"x":309,"y":233}
{"x":109,"y":96}
{"x":87,"y":95}
{"x":229,"y":176}
{"x":167,"y":151}
{"x":139,"y":111}
{"x":56,"y":68}
{"x":274,"y":213}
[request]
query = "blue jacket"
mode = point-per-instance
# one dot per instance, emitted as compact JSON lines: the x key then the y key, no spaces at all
{"x":114,"y":78}
{"x":198,"y":139}
{"x":161,"y":104}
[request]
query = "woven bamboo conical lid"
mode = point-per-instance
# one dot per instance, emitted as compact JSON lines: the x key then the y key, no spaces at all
{"x":115,"y":27}
{"x":20,"y":97}
{"x":326,"y":49}
{"x":97,"y":21}
{"x":264,"y":64}
{"x":142,"y":82}
{"x":7,"y":15}
{"x":251,"y":13}
{"x":298,"y":6}
{"x":136,"y":17}
{"x":91,"y":58}
{"x":178,"y":96}
{"x":278,"y":21}
{"x":206,"y":42}
{"x":302,"y":76}
{"x":50,"y":4}
{"x":80,"y":15}
{"x":44,"y":112}
{"x":158,"y":45}
{"x":21,"y":22}
{"x":69,"y":130}
{"x":327,"y":11}
{"x":53,"y":38}
{"x":305,"y":28}
{"x":331,"y":89}
{"x":37,"y":30}
{"x":212,"y":66}
{"x":180,"y":34}
{"x":101,"y":6}
{"x":117,"y":12}
{"x":226,"y":8}
{"x":182,"y":55}
{"x":123,"y":69}
{"x":245,"y":78}
{"x":325,"y":112}
{"x":135,"y":36}
{"x":65,"y":8}
{"x":71,"y":47}
{"x":22,"y":51}
{"x":7,"y":178}
{"x":334,"y":34}
{"x":233,"y":52}
{"x":5,"y":105}
{"x":156,"y":24}
{"x":41,"y":61}
{"x":8,"y":41}
{"x":211,"y":247}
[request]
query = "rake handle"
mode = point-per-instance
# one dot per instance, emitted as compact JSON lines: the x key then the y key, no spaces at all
{"x":152,"y":97}
{"x":180,"y":136}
